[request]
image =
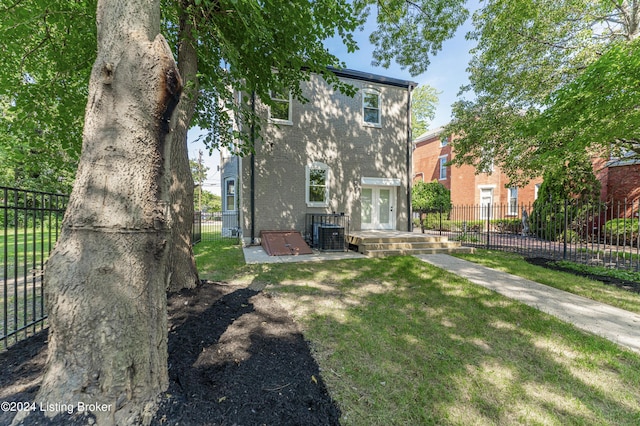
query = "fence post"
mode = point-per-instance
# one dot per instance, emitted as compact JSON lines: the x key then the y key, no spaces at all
{"x":566,"y":225}
{"x":488,"y":223}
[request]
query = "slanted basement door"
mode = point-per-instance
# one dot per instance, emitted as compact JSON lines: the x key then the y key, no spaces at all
{"x":284,"y":243}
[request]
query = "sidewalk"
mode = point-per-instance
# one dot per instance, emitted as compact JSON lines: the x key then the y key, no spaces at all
{"x":617,"y":325}
{"x":256,"y":254}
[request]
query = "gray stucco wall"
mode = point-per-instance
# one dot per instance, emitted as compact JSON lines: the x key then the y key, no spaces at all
{"x":328,"y":129}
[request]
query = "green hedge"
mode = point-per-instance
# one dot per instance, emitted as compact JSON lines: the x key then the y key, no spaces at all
{"x":619,"y":231}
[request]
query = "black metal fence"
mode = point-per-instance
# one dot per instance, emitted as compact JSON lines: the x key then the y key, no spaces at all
{"x":605,"y":234}
{"x":30,"y":223}
{"x":217,"y":226}
{"x":327,"y":232}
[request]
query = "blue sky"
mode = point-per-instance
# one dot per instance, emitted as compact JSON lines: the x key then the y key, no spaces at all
{"x":446,"y":72}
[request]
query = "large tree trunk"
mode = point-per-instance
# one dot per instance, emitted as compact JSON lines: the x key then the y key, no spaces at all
{"x":107,"y":277}
{"x":183,"y":268}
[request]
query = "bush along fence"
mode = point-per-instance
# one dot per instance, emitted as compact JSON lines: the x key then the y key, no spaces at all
{"x":595,"y":233}
{"x":30,"y":223}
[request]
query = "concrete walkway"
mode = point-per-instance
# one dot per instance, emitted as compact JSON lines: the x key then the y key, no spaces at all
{"x":617,"y":325}
{"x":256,"y":254}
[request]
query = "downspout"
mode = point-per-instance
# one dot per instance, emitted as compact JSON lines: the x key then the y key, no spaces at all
{"x":409,"y":165}
{"x":252,"y":183}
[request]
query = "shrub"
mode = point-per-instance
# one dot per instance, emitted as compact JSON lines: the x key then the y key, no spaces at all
{"x":621,"y":231}
{"x":430,"y":197}
{"x":513,"y":226}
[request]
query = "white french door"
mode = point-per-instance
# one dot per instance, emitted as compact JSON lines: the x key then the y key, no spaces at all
{"x":378,"y":205}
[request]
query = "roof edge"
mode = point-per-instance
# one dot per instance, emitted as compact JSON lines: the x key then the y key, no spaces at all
{"x":374,"y":78}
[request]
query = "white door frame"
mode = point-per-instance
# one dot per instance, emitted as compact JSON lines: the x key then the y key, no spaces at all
{"x":485,"y":200}
{"x":380,"y":187}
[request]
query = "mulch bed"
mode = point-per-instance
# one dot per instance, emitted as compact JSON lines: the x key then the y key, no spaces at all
{"x":620,"y":283}
{"x":235,"y":358}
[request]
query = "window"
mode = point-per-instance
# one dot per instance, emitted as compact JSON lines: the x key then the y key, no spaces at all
{"x":230,"y":194}
{"x":280,"y":111}
{"x":444,"y":141}
{"x":513,"y":201}
{"x":443,"y":168}
{"x":371,"y":107}
{"x":536,"y":191}
{"x":317,"y":185}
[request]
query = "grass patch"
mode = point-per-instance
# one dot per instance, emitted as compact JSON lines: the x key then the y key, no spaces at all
{"x":516,"y":264}
{"x":402,"y":342}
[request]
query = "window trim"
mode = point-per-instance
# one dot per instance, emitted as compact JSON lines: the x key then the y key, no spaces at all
{"x":442,"y":160}
{"x":376,"y":92}
{"x":512,"y":209}
{"x":289,"y":120}
{"x":307,"y":183}
{"x":228,"y":180}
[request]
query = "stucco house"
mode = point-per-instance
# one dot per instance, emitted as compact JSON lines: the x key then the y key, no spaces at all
{"x":341,"y":158}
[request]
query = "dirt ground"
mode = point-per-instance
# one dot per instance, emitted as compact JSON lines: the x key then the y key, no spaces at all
{"x":235,"y":358}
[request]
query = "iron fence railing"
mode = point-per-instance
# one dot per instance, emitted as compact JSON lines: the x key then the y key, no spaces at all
{"x":30,"y":223}
{"x":327,"y":232}
{"x":218,"y":226}
{"x":595,"y":233}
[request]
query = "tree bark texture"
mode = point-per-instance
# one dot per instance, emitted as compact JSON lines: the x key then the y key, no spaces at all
{"x":181,"y":260}
{"x":106,"y":279}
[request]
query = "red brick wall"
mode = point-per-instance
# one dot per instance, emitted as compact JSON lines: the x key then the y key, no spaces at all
{"x":463,"y":182}
{"x":623,"y":183}
{"x":426,"y":161}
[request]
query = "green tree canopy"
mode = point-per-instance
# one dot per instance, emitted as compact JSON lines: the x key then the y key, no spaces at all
{"x":423,"y":108}
{"x":49,"y":46}
{"x":430,"y":197}
{"x":544,"y":75}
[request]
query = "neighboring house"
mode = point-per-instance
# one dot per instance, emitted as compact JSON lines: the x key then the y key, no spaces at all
{"x":433,"y":151}
{"x":619,"y":177}
{"x":334,"y":154}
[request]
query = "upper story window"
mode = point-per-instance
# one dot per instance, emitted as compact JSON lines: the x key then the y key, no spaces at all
{"x":444,"y":141}
{"x":317,"y":185}
{"x":280,"y":111}
{"x":371,"y":107}
{"x":442,"y":162}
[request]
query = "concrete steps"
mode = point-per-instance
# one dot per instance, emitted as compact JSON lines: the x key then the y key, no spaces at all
{"x":394,"y":243}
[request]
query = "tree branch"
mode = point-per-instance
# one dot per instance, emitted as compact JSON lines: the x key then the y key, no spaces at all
{"x":8,"y":8}
{"x":38,"y":46}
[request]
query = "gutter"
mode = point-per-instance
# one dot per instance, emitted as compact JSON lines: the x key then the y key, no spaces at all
{"x":252,"y":183}
{"x":409,"y":165}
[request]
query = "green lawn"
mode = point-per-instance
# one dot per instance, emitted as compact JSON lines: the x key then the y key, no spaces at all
{"x":515,"y":264}
{"x":22,"y":249}
{"x":401,"y":342}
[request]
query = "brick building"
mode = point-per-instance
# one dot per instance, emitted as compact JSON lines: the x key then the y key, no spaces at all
{"x":432,"y":151}
{"x":619,"y":177}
